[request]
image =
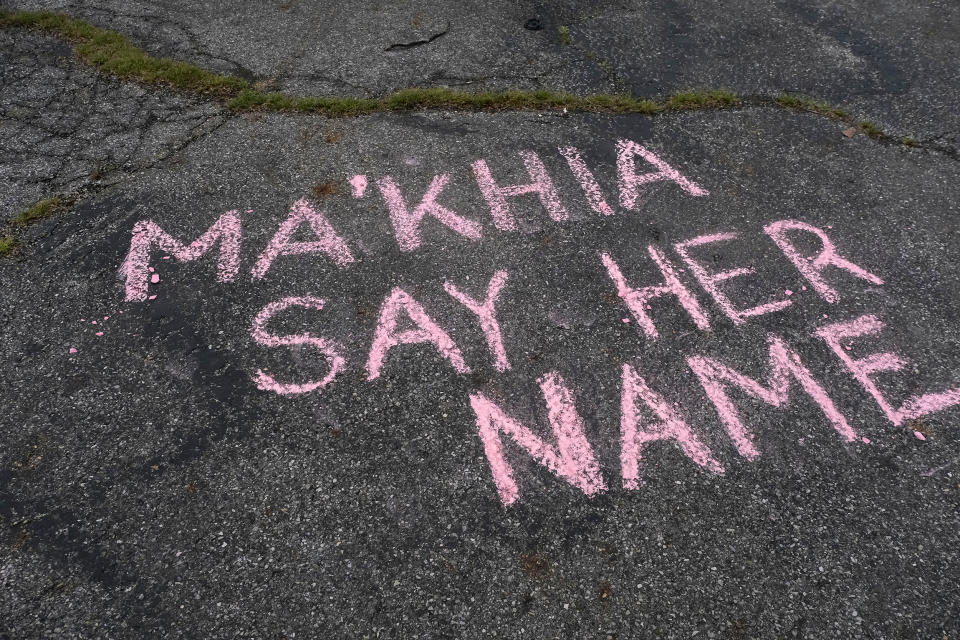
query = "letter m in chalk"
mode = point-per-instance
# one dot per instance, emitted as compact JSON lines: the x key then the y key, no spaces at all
{"x":147,"y":235}
{"x":571,"y":458}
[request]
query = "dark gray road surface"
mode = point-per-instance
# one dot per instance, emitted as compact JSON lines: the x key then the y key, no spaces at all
{"x":149,"y":488}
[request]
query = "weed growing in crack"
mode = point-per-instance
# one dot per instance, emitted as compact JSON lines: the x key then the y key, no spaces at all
{"x":871,"y":129}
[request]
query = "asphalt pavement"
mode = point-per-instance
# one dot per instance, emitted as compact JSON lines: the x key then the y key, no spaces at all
{"x":440,"y":374}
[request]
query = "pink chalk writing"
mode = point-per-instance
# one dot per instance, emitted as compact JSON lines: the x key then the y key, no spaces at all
{"x":862,"y":369}
{"x":329,"y":349}
{"x":668,"y":426}
{"x":571,"y":458}
{"x":710,"y":281}
{"x":587,"y":181}
{"x":812,"y":268}
{"x":146,"y":234}
{"x":648,"y":421}
{"x":486,"y":312}
{"x":496,"y":196}
{"x":784,"y":364}
{"x":427,"y":331}
{"x":327,"y":242}
{"x":630,"y":181}
{"x":406,"y":225}
{"x":637,"y":300}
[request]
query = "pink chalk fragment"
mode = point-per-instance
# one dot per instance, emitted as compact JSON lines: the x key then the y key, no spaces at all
{"x":919,"y":435}
{"x":73,"y":350}
{"x":153,"y":297}
{"x":788,"y":292}
{"x":571,"y":458}
{"x":155,"y":278}
{"x":865,"y":440}
{"x":359,"y":185}
{"x":330,"y":350}
{"x":626,"y":320}
{"x":99,"y":333}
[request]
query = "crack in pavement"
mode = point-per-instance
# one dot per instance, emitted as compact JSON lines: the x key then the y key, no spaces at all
{"x":418,"y":43}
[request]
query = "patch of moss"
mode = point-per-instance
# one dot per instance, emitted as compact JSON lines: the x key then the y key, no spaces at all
{"x":114,"y":53}
{"x":714,"y":99}
{"x":803,"y":103}
{"x":7,"y":244}
{"x":38,"y":211}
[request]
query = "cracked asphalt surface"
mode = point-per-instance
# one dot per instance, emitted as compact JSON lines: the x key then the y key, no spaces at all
{"x":148,"y":488}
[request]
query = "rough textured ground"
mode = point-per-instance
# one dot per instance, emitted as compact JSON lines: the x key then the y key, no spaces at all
{"x":148,"y":488}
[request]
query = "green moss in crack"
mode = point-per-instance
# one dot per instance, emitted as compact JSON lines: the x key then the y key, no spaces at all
{"x":803,"y":103}
{"x":713,"y":99}
{"x":114,"y":53}
{"x":39,"y":211}
{"x":8,"y":243}
{"x":563,"y":33}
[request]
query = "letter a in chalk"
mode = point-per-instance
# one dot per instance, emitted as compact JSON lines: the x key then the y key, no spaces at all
{"x":571,"y":458}
{"x":631,"y":181}
{"x":387,"y":336}
{"x":327,"y":242}
{"x":668,"y":426}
